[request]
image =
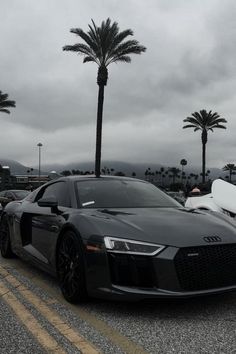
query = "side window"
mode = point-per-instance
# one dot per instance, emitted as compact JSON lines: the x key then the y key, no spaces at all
{"x":58,"y":190}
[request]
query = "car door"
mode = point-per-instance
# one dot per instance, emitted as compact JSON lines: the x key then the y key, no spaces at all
{"x":42,"y":226}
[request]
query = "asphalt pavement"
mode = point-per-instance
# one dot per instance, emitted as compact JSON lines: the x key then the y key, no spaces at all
{"x":34,"y":318}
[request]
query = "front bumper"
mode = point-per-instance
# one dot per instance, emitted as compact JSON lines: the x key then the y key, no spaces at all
{"x":174,"y":273}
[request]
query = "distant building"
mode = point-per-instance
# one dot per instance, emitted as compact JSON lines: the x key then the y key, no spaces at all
{"x":23,"y":181}
{"x":6,"y":180}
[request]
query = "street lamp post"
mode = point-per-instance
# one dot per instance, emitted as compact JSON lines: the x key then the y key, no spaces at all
{"x":39,"y":145}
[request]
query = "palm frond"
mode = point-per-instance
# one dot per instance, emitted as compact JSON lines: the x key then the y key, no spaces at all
{"x":219,"y":126}
{"x":104,"y":44}
{"x":206,"y":120}
{"x":189,"y":126}
{"x":220,"y":120}
{"x":87,"y":38}
{"x":212,"y":120}
{"x":193,"y":120}
{"x":108,"y":35}
{"x":3,"y":96}
{"x":7,"y":104}
{"x":83,"y":49}
{"x":131,"y":46}
{"x":88,"y":59}
{"x":198,"y":116}
{"x":131,"y":50}
{"x":214,"y":115}
{"x":4,"y":110}
{"x":93,"y":32}
{"x":72,"y":48}
{"x":110,"y":39}
{"x":229,"y":167}
{"x":80,"y":48}
{"x":119,"y":38}
{"x":124,"y":59}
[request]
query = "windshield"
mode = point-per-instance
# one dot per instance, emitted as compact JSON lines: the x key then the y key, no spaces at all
{"x":114,"y":193}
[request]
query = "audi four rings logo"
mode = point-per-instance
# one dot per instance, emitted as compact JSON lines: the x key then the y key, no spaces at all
{"x":212,"y":239}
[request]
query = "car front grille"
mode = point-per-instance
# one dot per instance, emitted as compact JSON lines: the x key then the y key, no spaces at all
{"x":131,"y":270}
{"x":206,"y":267}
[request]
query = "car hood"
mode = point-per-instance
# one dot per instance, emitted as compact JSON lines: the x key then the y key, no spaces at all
{"x":178,"y":227}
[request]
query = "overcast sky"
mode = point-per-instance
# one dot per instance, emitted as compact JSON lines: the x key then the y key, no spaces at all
{"x":190,"y":64}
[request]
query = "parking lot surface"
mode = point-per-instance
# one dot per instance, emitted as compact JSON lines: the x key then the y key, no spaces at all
{"x":34,"y":318}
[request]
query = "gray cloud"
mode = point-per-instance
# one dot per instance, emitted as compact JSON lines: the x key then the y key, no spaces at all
{"x":189,"y":65}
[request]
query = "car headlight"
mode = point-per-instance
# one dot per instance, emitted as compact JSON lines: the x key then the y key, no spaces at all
{"x":122,"y":245}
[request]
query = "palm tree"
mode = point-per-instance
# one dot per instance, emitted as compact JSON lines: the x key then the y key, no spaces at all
{"x":207,"y":174}
{"x":231,"y":168}
{"x":104,"y":45}
{"x":148,"y":174}
{"x":162,"y":170}
{"x":204,"y":121}
{"x":174,"y":173}
{"x":183,"y":163}
{"x":5,"y":103}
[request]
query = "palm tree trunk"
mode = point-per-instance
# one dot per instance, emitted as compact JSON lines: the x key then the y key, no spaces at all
{"x":204,"y":141}
{"x":99,"y":131}
{"x":203,"y":162}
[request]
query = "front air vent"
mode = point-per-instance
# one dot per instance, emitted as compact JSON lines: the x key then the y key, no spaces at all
{"x":131,"y":270}
{"x":206,"y":267}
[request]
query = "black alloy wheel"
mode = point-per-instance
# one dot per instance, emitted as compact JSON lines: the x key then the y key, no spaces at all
{"x":70,"y":268}
{"x":5,"y":241}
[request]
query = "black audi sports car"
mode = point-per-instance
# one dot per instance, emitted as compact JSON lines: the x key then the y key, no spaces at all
{"x":120,"y":238}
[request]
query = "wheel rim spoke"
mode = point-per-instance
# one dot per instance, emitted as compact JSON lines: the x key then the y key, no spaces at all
{"x":68,"y":267}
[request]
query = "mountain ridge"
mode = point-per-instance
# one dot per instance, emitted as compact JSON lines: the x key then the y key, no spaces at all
{"x":118,"y":166}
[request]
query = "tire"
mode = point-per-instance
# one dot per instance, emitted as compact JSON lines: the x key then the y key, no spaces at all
{"x":5,"y":241}
{"x":70,"y":268}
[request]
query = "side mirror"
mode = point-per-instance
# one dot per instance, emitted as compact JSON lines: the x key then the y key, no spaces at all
{"x":50,"y":202}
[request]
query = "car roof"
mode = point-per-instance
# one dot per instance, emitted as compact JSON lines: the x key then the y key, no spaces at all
{"x":15,"y":190}
{"x":104,"y":177}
